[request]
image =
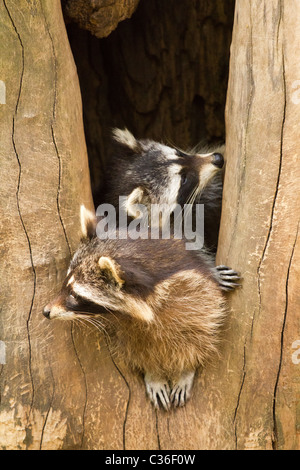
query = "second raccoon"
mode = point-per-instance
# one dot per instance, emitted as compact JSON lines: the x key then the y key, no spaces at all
{"x":149,"y":172}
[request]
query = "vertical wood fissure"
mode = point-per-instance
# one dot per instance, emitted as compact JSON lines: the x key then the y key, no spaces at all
{"x":48,"y":411}
{"x":53,"y":133}
{"x":128,"y":387}
{"x":85,"y":384}
{"x":275,"y":440}
{"x":18,"y":204}
{"x":241,"y":186}
{"x":238,"y":399}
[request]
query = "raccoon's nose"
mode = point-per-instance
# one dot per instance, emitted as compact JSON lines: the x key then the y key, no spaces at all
{"x":218,"y":160}
{"x":46,"y":312}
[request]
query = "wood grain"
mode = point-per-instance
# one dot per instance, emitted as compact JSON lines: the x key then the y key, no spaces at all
{"x":60,"y":388}
{"x":260,"y":222}
{"x":162,"y":74}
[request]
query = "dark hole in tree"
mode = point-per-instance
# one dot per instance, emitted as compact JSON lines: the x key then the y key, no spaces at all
{"x":162,"y":74}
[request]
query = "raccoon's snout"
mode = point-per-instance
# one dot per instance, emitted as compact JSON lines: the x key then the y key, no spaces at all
{"x":218,"y":160}
{"x":46,"y":312}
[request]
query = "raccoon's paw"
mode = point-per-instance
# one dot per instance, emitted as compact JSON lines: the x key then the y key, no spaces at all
{"x":158,"y":391}
{"x":227,"y":278}
{"x":181,"y":390}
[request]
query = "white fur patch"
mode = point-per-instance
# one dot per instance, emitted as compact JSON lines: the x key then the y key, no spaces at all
{"x":139,"y":309}
{"x":125,"y":137}
{"x":71,"y":280}
{"x":135,"y":307}
{"x":168,"y":152}
{"x":61,"y":313}
{"x":93,"y":295}
{"x":135,"y":197}
{"x":84,"y":292}
{"x":206,"y":174}
{"x":205,"y":155}
{"x":171,"y":193}
{"x":86,"y":217}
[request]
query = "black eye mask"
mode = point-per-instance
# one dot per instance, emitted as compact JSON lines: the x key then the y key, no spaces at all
{"x":75,"y":304}
{"x":188,"y":184}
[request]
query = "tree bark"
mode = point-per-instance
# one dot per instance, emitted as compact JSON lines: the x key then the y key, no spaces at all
{"x":45,"y":178}
{"x":60,"y":388}
{"x":162,"y":74}
{"x":259,"y":229}
{"x":100,"y":17}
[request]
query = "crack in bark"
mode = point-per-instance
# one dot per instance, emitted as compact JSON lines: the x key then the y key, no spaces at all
{"x":129,"y":391}
{"x":242,"y":178}
{"x":275,"y":427}
{"x":271,"y":218}
{"x":48,"y":411}
{"x":53,"y":133}
{"x":244,"y":153}
{"x":239,"y":398}
{"x":274,"y":437}
{"x":276,"y":191}
{"x":85,"y":384}
{"x":18,"y":201}
{"x":60,"y":215}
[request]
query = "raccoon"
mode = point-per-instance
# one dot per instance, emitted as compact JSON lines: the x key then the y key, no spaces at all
{"x":149,"y":172}
{"x":161,"y":305}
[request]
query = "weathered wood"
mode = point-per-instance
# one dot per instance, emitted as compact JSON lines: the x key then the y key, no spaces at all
{"x":59,"y":385}
{"x":260,"y":225}
{"x":45,"y":178}
{"x":100,"y":17}
{"x":163,"y":74}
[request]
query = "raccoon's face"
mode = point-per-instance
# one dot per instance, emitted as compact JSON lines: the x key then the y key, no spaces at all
{"x":157,"y":174}
{"x":96,"y":284}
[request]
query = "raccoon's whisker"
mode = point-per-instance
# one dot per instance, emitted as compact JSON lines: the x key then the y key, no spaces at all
{"x":87,"y":315}
{"x":97,"y":325}
{"x":106,"y":318}
{"x":187,"y":203}
{"x":191,"y":199}
{"x":172,"y":144}
{"x":178,"y":215}
{"x":92,"y":320}
{"x":196,"y":193}
{"x":88,"y":320}
{"x":192,"y":196}
{"x":80,"y":322}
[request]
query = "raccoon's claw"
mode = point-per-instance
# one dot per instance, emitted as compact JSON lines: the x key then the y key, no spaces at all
{"x":181,"y":392}
{"x":227,"y":278}
{"x":158,"y":392}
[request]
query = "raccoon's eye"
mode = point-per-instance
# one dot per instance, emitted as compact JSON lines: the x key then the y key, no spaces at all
{"x":183,"y":179}
{"x":71,"y":301}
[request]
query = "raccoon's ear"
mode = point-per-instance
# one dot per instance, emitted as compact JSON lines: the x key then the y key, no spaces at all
{"x":126,"y":141}
{"x":112,"y":269}
{"x":135,"y":197}
{"x":88,"y":223}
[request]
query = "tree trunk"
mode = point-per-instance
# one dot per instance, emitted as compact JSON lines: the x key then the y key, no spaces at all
{"x":45,"y":178}
{"x":59,"y":386}
{"x":260,"y":403}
